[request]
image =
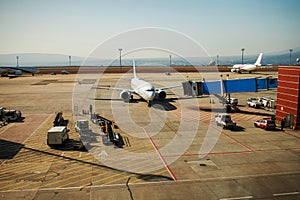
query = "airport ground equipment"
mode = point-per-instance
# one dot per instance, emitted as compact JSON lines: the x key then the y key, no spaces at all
{"x":59,"y":120}
{"x":57,"y":135}
{"x":224,"y":120}
{"x":267,"y":102}
{"x":254,"y":102}
{"x":223,"y":88}
{"x":82,"y":125}
{"x":265,"y":123}
{"x":7,"y":115}
{"x":108,"y":127}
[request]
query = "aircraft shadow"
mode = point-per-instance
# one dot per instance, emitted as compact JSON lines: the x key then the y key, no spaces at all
{"x":164,"y":105}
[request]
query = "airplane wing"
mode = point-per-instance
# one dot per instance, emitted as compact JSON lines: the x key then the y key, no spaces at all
{"x":169,"y":87}
{"x":30,"y":70}
{"x":110,"y":88}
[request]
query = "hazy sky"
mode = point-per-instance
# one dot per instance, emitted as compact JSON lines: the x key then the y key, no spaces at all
{"x":76,"y":27}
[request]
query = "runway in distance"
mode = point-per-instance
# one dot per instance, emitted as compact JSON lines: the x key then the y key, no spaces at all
{"x":239,"y":68}
{"x":17,"y":71}
{"x":141,"y":88}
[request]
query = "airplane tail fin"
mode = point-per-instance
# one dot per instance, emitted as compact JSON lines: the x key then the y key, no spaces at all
{"x":257,"y":63}
{"x":134,"y":72}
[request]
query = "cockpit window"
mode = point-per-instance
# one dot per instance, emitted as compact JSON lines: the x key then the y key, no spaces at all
{"x":150,"y":90}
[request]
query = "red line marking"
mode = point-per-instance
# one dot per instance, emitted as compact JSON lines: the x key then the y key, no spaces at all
{"x":160,"y":155}
{"x":291,"y":135}
{"x":236,"y":141}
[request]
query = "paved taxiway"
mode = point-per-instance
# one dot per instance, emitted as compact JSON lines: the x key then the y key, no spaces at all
{"x":247,"y":163}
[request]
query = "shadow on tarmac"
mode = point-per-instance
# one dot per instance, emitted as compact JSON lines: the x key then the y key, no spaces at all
{"x":9,"y":149}
{"x":145,"y":177}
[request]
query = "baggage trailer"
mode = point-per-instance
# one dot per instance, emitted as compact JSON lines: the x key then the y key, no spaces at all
{"x":57,"y":135}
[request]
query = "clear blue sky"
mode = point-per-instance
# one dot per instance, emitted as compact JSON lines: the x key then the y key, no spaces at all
{"x":76,"y":27}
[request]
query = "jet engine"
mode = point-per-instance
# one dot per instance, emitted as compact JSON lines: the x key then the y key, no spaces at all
{"x":125,"y":95}
{"x":161,"y":94}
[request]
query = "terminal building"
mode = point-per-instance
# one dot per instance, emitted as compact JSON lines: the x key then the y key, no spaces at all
{"x":288,"y":96}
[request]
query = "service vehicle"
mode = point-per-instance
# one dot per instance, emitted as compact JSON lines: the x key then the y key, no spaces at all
{"x":57,"y":135}
{"x":254,"y":102}
{"x":224,"y":119}
{"x":265,"y":123}
{"x":8,"y":115}
{"x":268,"y":102}
{"x":232,"y":101}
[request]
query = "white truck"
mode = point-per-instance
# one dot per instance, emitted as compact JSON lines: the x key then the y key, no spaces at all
{"x":268,"y":102}
{"x":232,"y":101}
{"x":224,"y":119}
{"x":254,"y":102}
{"x":57,"y":135}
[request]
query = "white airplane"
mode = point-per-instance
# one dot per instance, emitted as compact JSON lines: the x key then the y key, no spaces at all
{"x":247,"y":67}
{"x":142,"y":88}
{"x":17,"y":71}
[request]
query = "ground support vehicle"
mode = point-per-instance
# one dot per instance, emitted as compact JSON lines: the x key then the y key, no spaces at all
{"x":7,"y":115}
{"x":224,"y":120}
{"x":265,"y":123}
{"x":254,"y":102}
{"x":57,"y":135}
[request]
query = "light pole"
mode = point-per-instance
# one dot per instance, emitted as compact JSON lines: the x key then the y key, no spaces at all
{"x":120,"y":59}
{"x":17,"y":57}
{"x":217,"y":60}
{"x":170,"y":61}
{"x":291,"y":50}
{"x":242,"y":55}
{"x":70,"y":60}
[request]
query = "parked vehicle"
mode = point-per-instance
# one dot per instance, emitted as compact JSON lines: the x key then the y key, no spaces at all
{"x":224,"y":119}
{"x":267,"y":102}
{"x":254,"y":102}
{"x":232,"y":101}
{"x":265,"y":123}
{"x":7,"y":115}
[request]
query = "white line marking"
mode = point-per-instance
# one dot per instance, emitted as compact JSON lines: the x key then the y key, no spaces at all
{"x":237,"y":198}
{"x":285,"y":194}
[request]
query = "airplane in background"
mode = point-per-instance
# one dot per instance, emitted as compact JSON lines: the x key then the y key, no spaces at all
{"x":247,"y":67}
{"x":141,"y":88}
{"x":17,"y":71}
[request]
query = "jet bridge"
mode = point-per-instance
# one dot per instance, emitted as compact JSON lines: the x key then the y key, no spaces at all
{"x":193,"y":88}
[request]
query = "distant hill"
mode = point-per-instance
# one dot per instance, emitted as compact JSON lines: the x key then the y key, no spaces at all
{"x":39,"y":59}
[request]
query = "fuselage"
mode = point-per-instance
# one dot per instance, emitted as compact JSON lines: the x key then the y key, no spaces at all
{"x":143,"y":88}
{"x":245,"y":67}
